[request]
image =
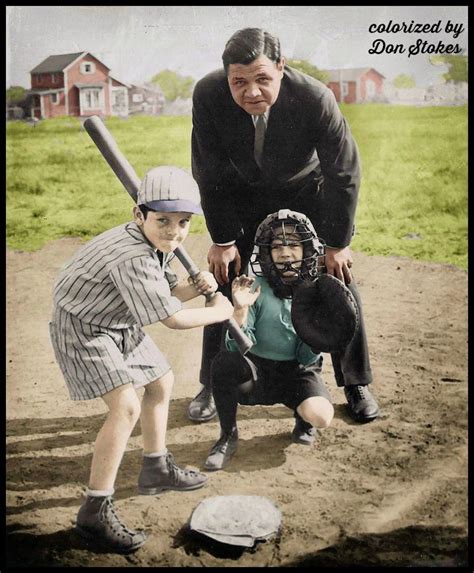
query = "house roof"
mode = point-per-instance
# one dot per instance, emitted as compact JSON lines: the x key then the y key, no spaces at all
{"x":148,"y":87}
{"x":46,"y":91}
{"x":92,"y":85}
{"x":349,"y":74}
{"x":58,"y":63}
{"x":119,"y":81}
{"x":55,"y":63}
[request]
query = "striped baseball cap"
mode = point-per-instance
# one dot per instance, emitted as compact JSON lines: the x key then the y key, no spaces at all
{"x":169,"y":189}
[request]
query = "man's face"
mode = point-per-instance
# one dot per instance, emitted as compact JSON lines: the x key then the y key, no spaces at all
{"x":165,"y":231}
{"x":255,"y":86}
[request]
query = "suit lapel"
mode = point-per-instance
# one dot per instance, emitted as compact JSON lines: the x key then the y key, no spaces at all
{"x":280,"y":133}
{"x":240,"y":136}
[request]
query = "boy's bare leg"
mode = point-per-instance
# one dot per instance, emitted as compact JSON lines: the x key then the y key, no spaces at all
{"x":154,"y":416}
{"x":124,"y":412}
{"x":97,"y":519}
{"x":317,"y":410}
{"x":159,"y":471}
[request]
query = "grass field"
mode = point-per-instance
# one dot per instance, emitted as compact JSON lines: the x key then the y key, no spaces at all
{"x":413,"y":198}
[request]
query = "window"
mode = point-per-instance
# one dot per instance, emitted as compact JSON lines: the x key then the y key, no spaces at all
{"x":137,"y":98}
{"x":87,"y":67}
{"x":345,"y":89}
{"x":371,"y":88}
{"x":39,"y":78}
{"x":118,"y":97}
{"x":53,"y":78}
{"x":55,"y":98}
{"x":91,"y":99}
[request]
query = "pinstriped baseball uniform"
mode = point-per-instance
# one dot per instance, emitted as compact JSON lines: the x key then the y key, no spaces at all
{"x":114,"y":285}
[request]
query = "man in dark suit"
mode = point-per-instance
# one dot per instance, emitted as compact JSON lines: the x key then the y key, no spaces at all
{"x":267,"y":137}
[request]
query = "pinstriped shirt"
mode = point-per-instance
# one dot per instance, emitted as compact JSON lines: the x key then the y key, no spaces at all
{"x":116,"y":280}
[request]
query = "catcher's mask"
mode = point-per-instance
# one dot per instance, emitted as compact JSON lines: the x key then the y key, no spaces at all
{"x":286,"y":227}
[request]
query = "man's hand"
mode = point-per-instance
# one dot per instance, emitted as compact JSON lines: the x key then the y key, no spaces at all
{"x":339,"y":263}
{"x":219,"y":259}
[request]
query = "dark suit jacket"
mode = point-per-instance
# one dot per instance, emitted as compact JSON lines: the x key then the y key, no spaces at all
{"x":305,"y":118}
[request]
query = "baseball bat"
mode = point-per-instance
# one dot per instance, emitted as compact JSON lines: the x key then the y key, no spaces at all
{"x":110,"y":151}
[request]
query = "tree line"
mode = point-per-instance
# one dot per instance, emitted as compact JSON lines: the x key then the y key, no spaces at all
{"x":174,"y":85}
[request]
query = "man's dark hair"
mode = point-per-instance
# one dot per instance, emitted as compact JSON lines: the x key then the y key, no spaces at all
{"x":246,"y":45}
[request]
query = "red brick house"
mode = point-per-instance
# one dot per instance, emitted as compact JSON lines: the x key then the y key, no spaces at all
{"x":76,"y":84}
{"x":357,"y":85}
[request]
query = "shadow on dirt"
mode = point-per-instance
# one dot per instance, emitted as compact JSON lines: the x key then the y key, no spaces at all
{"x":25,"y":549}
{"x":193,"y":543}
{"x":412,"y":546}
{"x":27,"y":473}
{"x":40,"y":462}
{"x":87,"y":427}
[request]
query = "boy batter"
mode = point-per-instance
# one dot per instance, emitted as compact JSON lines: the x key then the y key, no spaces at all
{"x":114,"y":285}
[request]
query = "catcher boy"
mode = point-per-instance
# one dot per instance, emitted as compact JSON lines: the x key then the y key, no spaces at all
{"x":114,"y":285}
{"x":280,"y":368}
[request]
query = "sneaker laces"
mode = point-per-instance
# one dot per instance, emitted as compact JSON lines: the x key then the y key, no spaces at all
{"x":109,"y":515}
{"x":175,"y":472}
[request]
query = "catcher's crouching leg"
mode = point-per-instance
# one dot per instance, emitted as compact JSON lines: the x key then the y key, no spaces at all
{"x":229,"y":370}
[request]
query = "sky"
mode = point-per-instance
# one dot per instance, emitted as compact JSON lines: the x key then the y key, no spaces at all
{"x":137,"y":42}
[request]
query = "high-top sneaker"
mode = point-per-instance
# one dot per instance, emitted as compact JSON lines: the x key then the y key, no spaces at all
{"x":161,"y":473}
{"x":97,"y":520}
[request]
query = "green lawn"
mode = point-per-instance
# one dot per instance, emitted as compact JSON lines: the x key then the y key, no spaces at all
{"x":414,"y":164}
{"x":414,"y":167}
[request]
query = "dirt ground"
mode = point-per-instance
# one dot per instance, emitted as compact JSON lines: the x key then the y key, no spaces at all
{"x":389,"y":493}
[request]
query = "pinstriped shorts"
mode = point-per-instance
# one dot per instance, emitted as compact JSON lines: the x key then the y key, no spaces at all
{"x":95,"y":360}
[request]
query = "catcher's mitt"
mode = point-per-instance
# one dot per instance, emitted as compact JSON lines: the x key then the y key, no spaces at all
{"x":236,"y":519}
{"x":324,"y":314}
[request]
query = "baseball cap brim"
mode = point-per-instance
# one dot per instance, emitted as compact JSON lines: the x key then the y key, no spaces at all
{"x":170,"y":206}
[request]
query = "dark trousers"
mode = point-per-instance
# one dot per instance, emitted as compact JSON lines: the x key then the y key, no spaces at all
{"x":252,"y":380}
{"x":350,"y":367}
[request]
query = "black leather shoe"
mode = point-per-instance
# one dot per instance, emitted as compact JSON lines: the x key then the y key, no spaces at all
{"x":303,"y":432}
{"x":222,"y":451}
{"x":202,"y":408}
{"x":361,"y":403}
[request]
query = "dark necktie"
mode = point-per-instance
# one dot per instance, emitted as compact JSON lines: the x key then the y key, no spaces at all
{"x":259,"y":139}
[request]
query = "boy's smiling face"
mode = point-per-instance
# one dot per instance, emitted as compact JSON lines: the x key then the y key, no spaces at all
{"x":287,"y":249}
{"x":165,"y":231}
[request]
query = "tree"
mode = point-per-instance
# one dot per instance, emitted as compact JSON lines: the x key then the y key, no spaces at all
{"x":307,"y":68}
{"x":15,"y":95}
{"x":457,"y":67}
{"x":173,"y":85}
{"x":404,"y":81}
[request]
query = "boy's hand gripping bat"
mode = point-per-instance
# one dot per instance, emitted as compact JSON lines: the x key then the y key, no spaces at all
{"x":106,"y":144}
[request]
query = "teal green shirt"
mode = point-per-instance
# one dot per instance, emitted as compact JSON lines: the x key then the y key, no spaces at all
{"x":270,"y":329}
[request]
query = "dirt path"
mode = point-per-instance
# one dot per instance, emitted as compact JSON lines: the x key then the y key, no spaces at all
{"x":393,"y":492}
